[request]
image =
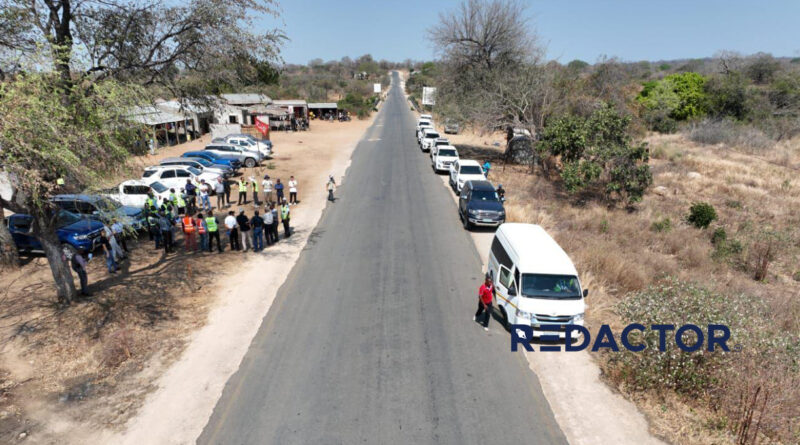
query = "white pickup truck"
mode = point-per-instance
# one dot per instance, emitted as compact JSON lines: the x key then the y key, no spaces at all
{"x":134,"y":192}
{"x":464,"y":170}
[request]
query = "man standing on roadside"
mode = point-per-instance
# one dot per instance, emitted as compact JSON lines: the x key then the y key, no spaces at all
{"x":331,"y":186}
{"x":285,"y":217}
{"x":268,"y":226}
{"x":255,"y":191}
{"x":292,"y":191}
{"x":203,"y":191}
{"x":279,"y":191}
{"x":191,"y":194}
{"x":258,"y":232}
{"x":189,"y":233}
{"x":244,"y":229}
{"x":78,"y":262}
{"x":267,"y":184}
{"x":485,"y":294}
{"x":242,"y":191}
{"x":202,"y":232}
{"x":213,"y":232}
{"x":165,"y":225}
{"x":227,"y":183}
{"x":274,"y":212}
{"x":233,"y":231}
{"x":219,"y":189}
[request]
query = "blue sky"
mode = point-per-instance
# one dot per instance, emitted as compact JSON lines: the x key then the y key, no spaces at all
{"x":571,"y":29}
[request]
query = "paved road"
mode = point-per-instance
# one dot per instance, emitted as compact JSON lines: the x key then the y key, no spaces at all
{"x":371,"y":338}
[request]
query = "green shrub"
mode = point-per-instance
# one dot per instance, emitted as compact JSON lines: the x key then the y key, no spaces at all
{"x":661,"y":226}
{"x":678,"y":97}
{"x":719,"y":236}
{"x":678,"y":303}
{"x":701,"y":215}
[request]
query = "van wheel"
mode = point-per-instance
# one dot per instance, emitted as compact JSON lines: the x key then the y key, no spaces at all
{"x":504,"y":317}
{"x":249,"y":162}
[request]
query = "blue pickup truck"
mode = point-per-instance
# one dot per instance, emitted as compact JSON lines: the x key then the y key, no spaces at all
{"x":74,"y":233}
{"x":103,"y":209}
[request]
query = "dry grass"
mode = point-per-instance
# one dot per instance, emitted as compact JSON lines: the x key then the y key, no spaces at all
{"x":617,"y":251}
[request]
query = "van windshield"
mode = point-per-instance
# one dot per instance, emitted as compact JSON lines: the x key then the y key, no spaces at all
{"x":550,"y":286}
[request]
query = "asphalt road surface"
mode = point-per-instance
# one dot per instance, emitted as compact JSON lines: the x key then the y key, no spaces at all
{"x":371,"y":338}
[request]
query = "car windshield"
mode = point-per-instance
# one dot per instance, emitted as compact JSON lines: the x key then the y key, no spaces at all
{"x":471,"y":170}
{"x":440,"y":143}
{"x":431,"y":135}
{"x":158,"y":187}
{"x":484,"y":195}
{"x":447,"y":152}
{"x":66,"y":218}
{"x":194,"y":171}
{"x":550,"y":286}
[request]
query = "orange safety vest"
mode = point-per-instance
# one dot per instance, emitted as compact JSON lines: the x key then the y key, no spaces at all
{"x":188,"y":224}
{"x":200,"y":228}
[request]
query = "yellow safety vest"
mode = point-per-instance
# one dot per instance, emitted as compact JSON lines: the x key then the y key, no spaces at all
{"x":242,"y":186}
{"x":180,"y":201}
{"x":211,"y":223}
{"x":285,"y":212}
{"x":255,"y":187}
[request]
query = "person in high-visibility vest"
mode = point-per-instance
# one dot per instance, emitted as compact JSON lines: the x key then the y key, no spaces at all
{"x":213,"y":232}
{"x":189,"y":233}
{"x":202,"y":231}
{"x":181,"y":203}
{"x":255,"y":191}
{"x":242,"y":191}
{"x":285,"y":217}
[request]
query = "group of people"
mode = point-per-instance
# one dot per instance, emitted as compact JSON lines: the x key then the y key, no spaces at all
{"x":259,"y":230}
{"x":273,"y":192}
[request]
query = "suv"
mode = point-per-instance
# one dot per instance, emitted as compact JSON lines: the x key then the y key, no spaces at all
{"x":440,"y":142}
{"x":479,"y":205}
{"x":451,"y":127}
{"x":445,"y":155}
{"x":200,"y":164}
{"x":421,"y":126}
{"x":249,"y":158}
{"x":462,"y":171}
{"x":175,"y":176}
{"x":101,"y":208}
{"x":74,"y":233}
{"x":247,"y":142}
{"x":226,"y":161}
{"x":426,"y":141}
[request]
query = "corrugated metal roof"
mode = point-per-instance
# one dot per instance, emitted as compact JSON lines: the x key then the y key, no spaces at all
{"x":245,"y":99}
{"x":290,"y":102}
{"x":323,"y":105}
{"x":191,"y":107}
{"x":154,"y":116}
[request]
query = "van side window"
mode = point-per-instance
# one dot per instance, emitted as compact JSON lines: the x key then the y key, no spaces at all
{"x":505,"y":277}
{"x":500,"y":253}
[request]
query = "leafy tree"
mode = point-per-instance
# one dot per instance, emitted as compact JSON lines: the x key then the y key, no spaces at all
{"x":762,"y":68}
{"x":680,"y":96}
{"x":578,"y":65}
{"x":597,"y":154}
{"x":728,"y":95}
{"x":45,"y":139}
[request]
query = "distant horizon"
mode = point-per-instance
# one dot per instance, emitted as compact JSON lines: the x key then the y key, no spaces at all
{"x":655,"y":31}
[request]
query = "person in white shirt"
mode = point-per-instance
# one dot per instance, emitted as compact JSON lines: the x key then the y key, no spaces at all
{"x":267,"y":184}
{"x":268,"y":220}
{"x":292,"y":191}
{"x":219,"y":189}
{"x":203,"y":194}
{"x":233,"y":231}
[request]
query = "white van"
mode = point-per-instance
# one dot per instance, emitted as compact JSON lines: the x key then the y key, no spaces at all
{"x":535,"y":281}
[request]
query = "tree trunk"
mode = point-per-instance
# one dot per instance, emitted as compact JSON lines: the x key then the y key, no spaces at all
{"x":65,"y":286}
{"x":8,"y":250}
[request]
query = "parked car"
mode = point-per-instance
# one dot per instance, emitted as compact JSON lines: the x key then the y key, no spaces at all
{"x":133,"y":192}
{"x":427,"y":139}
{"x":440,"y":142}
{"x":534,"y":279}
{"x":427,"y":117}
{"x":264,"y":144}
{"x":102,"y":208}
{"x":74,"y":233}
{"x":247,"y":142}
{"x":198,"y":164}
{"x":421,"y":126}
{"x":451,"y":127}
{"x":444,"y":157}
{"x":479,"y":205}
{"x":175,"y":176}
{"x":229,"y":161}
{"x":462,"y":171}
{"x":248,"y":158}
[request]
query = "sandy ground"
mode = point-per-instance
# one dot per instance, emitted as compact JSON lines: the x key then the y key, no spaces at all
{"x":586,"y":409}
{"x":54,"y":384}
{"x":179,"y":409}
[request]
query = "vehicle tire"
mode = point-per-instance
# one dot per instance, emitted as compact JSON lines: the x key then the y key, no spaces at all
{"x":249,"y":162}
{"x":504,"y":317}
{"x":68,"y":249}
{"x":465,"y":222}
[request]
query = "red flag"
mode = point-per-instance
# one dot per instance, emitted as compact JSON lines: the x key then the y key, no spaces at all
{"x":262,"y":126}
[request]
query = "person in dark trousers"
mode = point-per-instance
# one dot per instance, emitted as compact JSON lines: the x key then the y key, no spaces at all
{"x":191,"y":197}
{"x":485,"y":294}
{"x":242,"y":191}
{"x":213,"y":232}
{"x":268,"y":225}
{"x":258,"y":232}
{"x":279,"y":191}
{"x":244,"y":230}
{"x":331,"y":186}
{"x":233,"y":231}
{"x":274,"y":227}
{"x":227,"y":186}
{"x":152,"y":224}
{"x":78,"y":262}
{"x":165,"y":226}
{"x":285,"y":217}
{"x":111,"y":263}
{"x":501,"y":193}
